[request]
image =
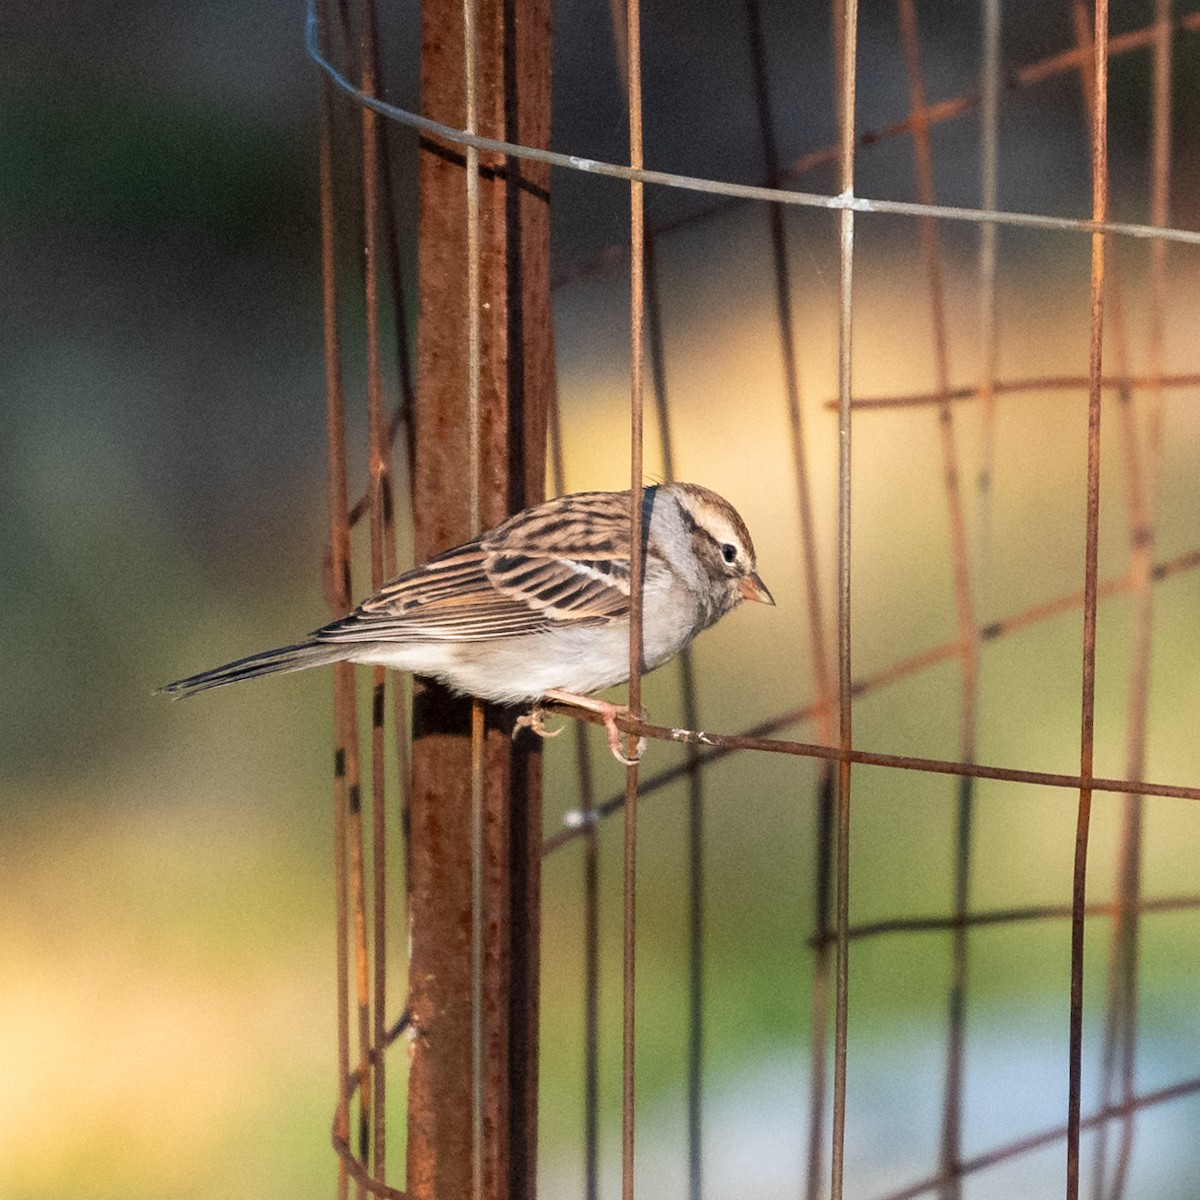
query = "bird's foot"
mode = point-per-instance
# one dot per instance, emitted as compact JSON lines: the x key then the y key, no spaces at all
{"x":535,"y":720}
{"x":609,"y":713}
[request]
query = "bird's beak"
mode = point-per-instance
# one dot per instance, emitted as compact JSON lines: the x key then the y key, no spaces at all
{"x":753,"y":588}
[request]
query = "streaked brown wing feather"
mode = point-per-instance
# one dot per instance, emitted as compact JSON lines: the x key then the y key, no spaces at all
{"x":563,"y":589}
{"x":586,"y":579}
{"x":506,"y":584}
{"x":448,"y":598}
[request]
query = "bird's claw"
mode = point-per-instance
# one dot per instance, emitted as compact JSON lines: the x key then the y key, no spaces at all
{"x":535,"y":720}
{"x":614,"y":740}
{"x":607,"y":712}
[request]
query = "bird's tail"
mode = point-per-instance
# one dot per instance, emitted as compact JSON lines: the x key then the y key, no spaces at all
{"x":267,"y":662}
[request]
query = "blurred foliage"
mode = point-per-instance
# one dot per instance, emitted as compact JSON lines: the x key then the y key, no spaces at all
{"x":130,"y":162}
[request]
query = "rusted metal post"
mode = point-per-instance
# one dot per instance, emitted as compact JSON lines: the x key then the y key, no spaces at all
{"x":516,"y":377}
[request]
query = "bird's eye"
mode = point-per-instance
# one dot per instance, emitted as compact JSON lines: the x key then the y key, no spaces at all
{"x":729,"y":553}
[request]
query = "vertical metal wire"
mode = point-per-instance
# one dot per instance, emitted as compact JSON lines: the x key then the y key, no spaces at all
{"x":473,"y":285}
{"x":473,"y":491}
{"x":401,"y":417}
{"x":636,"y":563}
{"x":822,"y":688}
{"x":1160,"y":216}
{"x":653,"y":309}
{"x":951,"y":1148}
{"x":347,"y":767}
{"x":1122,"y":1005}
{"x":362,"y":956}
{"x":951,"y":1136}
{"x":1117,"y":1033}
{"x":989,"y":199}
{"x":339,"y":591}
{"x":1126,"y":927}
{"x":591,"y":982}
{"x":696,"y":927}
{"x":847,"y":27}
{"x":695,"y":827}
{"x":591,"y":892}
{"x":823,"y":926}
{"x":1099,"y":155}
{"x":695,"y":777}
{"x":988,"y":257}
{"x":817,"y":645}
{"x":477,"y":948}
{"x":345,"y":776}
{"x":378,"y":507}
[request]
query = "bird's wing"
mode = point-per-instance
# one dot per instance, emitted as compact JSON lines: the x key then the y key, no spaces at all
{"x":568,"y":559}
{"x":509,"y":583}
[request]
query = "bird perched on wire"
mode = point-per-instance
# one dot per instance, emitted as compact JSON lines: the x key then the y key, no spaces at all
{"x":537,"y":608}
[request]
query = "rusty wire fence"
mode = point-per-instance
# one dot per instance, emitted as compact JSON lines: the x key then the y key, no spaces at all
{"x":472,"y":1123}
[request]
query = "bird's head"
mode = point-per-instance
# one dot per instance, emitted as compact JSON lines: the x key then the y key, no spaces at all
{"x":722,"y":546}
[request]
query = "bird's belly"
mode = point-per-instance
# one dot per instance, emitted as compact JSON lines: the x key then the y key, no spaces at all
{"x":519,"y":670}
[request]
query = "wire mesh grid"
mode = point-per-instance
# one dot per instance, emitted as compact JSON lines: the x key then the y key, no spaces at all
{"x":967,"y":484}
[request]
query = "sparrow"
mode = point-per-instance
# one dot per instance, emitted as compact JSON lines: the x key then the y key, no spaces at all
{"x":537,"y":608}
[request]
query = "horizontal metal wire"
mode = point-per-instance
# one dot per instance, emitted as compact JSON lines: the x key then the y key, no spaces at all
{"x":936,"y":766}
{"x":870,"y":758}
{"x":1007,"y":916}
{"x":1042,"y":383}
{"x":743,"y":191}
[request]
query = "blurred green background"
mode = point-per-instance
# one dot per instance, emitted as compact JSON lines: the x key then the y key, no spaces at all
{"x":167,"y":1017}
